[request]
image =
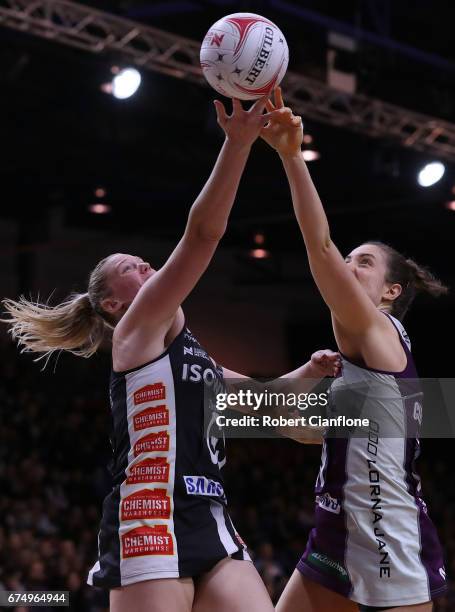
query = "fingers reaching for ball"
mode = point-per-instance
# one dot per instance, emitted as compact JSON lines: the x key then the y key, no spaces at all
{"x":278,"y":98}
{"x":236,"y":106}
{"x":242,"y":127}
{"x":221,"y":115}
{"x":282,"y":114}
{"x":284,"y":132}
{"x":259,"y":105}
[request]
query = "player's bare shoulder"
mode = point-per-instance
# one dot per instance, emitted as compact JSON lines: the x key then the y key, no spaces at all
{"x":381,"y":347}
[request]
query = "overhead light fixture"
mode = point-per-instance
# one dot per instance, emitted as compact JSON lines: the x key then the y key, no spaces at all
{"x":431,"y":174}
{"x":100,"y":192}
{"x":259,"y":253}
{"x":124,"y":84}
{"x":451,"y":205}
{"x":99,"y":209}
{"x":310,"y":155}
{"x":259,"y":238}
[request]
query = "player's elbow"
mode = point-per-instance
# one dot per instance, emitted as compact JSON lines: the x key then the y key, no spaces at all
{"x":205,"y":232}
{"x":204,"y":229}
{"x":211,"y":233}
{"x":320,"y":247}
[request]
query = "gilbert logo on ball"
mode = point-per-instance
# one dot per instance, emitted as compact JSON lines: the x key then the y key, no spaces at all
{"x":244,"y":56}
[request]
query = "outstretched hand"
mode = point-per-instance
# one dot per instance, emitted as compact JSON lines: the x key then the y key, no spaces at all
{"x":242,"y":127}
{"x":284,"y":132}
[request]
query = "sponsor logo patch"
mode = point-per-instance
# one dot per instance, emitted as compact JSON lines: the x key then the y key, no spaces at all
{"x":200,"y":485}
{"x":196,"y":352}
{"x":147,"y":540}
{"x":152,"y":442}
{"x":149,"y":470}
{"x":145,"y":504}
{"x":149,"y":393}
{"x":151,"y":417}
{"x":327,"y":566}
{"x":329,"y":503}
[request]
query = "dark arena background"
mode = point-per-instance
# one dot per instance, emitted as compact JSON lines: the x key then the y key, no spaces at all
{"x":85,"y":174}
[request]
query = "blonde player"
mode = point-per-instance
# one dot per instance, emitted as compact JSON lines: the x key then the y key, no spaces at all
{"x":166,"y":542}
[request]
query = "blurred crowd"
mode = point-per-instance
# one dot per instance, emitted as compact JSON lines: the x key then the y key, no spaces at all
{"x":54,"y":453}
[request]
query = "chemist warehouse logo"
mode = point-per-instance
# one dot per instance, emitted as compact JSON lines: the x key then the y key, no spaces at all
{"x":146,"y":504}
{"x":152,"y":442}
{"x":149,"y":470}
{"x":147,"y":541}
{"x":149,"y":393}
{"x":151,"y":417}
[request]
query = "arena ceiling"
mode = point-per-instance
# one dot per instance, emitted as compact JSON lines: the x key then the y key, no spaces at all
{"x":63,"y":137}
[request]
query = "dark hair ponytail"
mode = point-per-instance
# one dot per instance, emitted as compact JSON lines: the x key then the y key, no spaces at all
{"x":412,"y":277}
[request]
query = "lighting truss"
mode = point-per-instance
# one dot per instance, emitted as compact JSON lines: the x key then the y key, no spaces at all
{"x":92,"y":30}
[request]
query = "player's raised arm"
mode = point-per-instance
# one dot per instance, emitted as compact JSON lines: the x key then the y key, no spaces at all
{"x":322,"y":363}
{"x":301,"y":380}
{"x":338,"y":286}
{"x":159,"y":298}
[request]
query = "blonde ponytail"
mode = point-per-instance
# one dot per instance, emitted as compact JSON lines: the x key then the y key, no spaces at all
{"x":72,"y":325}
{"x":77,"y":325}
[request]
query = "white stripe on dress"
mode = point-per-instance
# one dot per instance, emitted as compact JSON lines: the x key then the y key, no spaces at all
{"x":226,"y":539}
{"x":95,"y":568}
{"x":157,"y":372}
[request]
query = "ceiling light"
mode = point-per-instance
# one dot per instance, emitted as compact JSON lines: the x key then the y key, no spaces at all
{"x":311,"y":155}
{"x":431,"y":174}
{"x":126,"y":83}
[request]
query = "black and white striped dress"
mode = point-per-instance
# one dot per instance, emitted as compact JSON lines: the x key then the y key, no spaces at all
{"x":166,"y":515}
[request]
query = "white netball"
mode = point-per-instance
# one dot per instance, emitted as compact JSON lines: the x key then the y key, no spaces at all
{"x":244,"y":56}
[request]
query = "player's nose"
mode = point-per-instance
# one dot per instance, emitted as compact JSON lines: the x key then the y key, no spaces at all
{"x":144,"y":267}
{"x":352,"y":268}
